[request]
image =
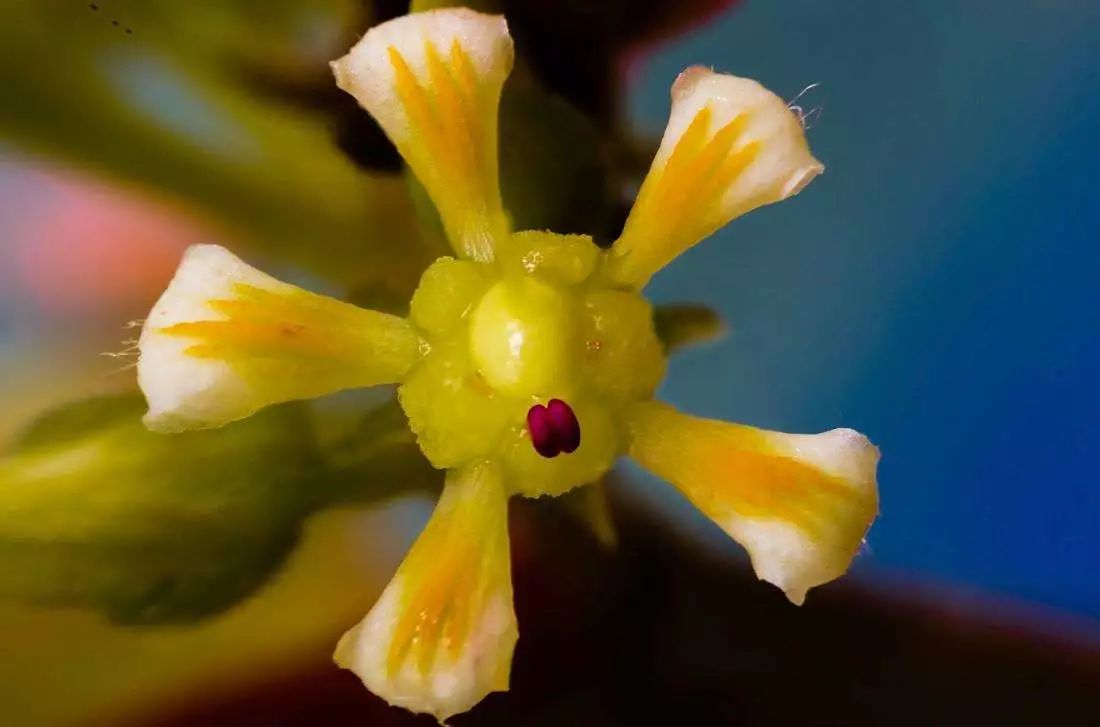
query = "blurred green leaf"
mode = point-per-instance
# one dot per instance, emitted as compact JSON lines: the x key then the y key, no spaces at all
{"x":682,"y":325}
{"x":96,"y":511}
{"x":161,"y":95}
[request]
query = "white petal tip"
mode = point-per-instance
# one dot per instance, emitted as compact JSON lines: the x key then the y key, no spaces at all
{"x":366,"y":71}
{"x":801,"y":178}
{"x":451,"y":685}
{"x":843,"y":453}
{"x":185,"y":391}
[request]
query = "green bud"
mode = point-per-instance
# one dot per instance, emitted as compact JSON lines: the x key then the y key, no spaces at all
{"x":97,"y":512}
{"x":683,"y":325}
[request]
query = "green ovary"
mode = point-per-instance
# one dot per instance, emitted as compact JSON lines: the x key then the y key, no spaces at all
{"x":516,"y":332}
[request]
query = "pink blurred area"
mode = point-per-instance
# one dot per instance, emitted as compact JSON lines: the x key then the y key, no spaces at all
{"x":80,"y":258}
{"x":81,"y":249}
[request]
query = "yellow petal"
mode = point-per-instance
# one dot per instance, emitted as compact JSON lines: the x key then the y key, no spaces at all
{"x":225,"y":340}
{"x":730,"y":146}
{"x":799,"y":503}
{"x":441,"y":636}
{"x":433,"y":82}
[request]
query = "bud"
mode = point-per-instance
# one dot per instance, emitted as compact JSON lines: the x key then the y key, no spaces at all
{"x":98,"y":512}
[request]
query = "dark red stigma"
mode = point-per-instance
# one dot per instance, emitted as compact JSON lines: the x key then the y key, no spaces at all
{"x":554,"y":428}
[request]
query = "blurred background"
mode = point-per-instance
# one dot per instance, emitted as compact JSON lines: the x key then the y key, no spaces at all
{"x":937,"y":289}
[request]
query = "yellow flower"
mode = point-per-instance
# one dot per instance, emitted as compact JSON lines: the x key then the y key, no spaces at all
{"x":529,"y":360}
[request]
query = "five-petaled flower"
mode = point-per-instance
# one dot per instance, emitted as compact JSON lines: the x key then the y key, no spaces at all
{"x":528,"y":362}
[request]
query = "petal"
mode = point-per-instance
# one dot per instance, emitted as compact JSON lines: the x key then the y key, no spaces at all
{"x":730,"y":146}
{"x":433,"y":82}
{"x":441,"y":636}
{"x":799,"y":503}
{"x":225,"y":340}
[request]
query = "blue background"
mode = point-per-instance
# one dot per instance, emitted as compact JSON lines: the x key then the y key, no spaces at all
{"x":938,"y":288}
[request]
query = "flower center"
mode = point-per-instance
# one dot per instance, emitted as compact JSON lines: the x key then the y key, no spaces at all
{"x":522,"y":337}
{"x":510,"y":345}
{"x":554,"y":428}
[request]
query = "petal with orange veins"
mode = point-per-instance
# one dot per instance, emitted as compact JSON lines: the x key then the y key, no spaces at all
{"x":730,"y":146}
{"x":225,"y":340}
{"x":799,"y":503}
{"x":441,"y":636}
{"x":433,"y":80}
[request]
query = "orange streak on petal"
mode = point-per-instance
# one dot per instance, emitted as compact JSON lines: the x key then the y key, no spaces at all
{"x":454,"y":122}
{"x":765,"y":486}
{"x":728,"y":469}
{"x":440,"y":573}
{"x":414,"y":100}
{"x":650,"y":209}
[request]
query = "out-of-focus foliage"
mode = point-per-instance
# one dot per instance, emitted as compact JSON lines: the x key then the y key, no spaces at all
{"x":169,"y":98}
{"x":96,"y":511}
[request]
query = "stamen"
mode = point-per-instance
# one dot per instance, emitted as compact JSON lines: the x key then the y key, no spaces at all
{"x":565,"y":424}
{"x":542,"y":431}
{"x":554,"y":428}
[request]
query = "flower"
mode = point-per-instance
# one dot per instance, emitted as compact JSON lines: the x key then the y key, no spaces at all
{"x":528,"y":361}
